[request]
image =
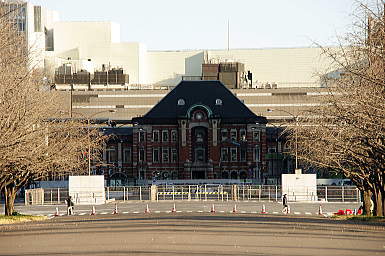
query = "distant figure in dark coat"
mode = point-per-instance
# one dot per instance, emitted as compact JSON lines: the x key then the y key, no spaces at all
{"x":70,"y":206}
{"x":284,"y":203}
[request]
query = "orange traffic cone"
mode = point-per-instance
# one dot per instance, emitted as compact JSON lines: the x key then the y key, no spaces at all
{"x":147,"y":210}
{"x":93,"y":212}
{"x":116,"y":209}
{"x":235,"y":208}
{"x":213,"y":209}
{"x":320,"y":210}
{"x":56,"y":212}
{"x":173,"y":209}
{"x":263,"y":209}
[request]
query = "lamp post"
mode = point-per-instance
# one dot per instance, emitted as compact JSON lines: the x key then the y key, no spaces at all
{"x":89,"y":135}
{"x":296,"y":133}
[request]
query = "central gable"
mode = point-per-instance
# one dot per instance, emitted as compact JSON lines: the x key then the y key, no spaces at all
{"x":213,"y":96}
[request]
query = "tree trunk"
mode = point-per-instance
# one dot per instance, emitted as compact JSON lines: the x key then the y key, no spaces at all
{"x":367,"y":203}
{"x":9,"y":196}
{"x":379,"y":206}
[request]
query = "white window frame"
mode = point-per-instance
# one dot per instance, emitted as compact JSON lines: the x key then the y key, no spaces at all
{"x":111,"y":150}
{"x":224,"y":154}
{"x":125,"y":154}
{"x":174,"y":155}
{"x":233,"y":134}
{"x":257,"y":136}
{"x":140,"y":154}
{"x":165,"y":155}
{"x":257,"y":153}
{"x":153,"y":135}
{"x":174,"y":135}
{"x":154,"y":154}
{"x":233,"y":157}
{"x":165,"y":132}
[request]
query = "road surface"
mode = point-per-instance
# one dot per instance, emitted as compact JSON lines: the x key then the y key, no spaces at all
{"x":192,"y":234}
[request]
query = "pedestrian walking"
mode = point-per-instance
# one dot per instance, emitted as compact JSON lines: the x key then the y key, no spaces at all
{"x":285,"y":209}
{"x":70,"y":206}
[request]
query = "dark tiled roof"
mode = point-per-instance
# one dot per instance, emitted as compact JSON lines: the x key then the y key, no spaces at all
{"x":205,"y":93}
{"x":118,"y":131}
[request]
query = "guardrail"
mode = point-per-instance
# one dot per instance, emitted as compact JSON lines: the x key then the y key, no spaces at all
{"x":201,"y":192}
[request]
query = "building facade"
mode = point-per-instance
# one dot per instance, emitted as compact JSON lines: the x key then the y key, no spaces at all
{"x":198,"y":131}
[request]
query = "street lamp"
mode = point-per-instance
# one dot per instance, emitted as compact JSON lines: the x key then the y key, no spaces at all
{"x":296,"y":132}
{"x":89,"y":136}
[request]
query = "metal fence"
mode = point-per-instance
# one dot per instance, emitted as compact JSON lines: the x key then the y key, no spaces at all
{"x":140,"y":193}
{"x":203,"y":192}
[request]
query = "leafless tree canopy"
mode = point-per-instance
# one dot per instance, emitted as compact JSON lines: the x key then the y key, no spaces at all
{"x":347,"y":133}
{"x":33,"y":144}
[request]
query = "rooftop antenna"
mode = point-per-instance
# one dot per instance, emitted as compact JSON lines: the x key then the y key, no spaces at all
{"x":228,"y":34}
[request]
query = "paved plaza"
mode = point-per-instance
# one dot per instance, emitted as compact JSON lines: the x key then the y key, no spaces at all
{"x":192,"y":234}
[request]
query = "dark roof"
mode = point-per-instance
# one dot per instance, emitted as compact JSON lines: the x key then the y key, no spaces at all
{"x":118,"y":131}
{"x":200,"y":93}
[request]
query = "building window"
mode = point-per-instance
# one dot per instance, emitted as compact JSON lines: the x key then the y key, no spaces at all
{"x":165,"y":157}
{"x":271,"y":150}
{"x":224,"y":155}
{"x":155,"y":136}
{"x":174,"y":155}
{"x":256,"y":135}
{"x":224,"y":134}
{"x":257,"y":154}
{"x":127,"y":155}
{"x":165,"y":135}
{"x":233,"y":154}
{"x":218,"y":102}
{"x":142,"y":136}
{"x":174,"y":135}
{"x":233,"y":134}
{"x":243,"y":154}
{"x":37,"y":18}
{"x":141,"y":155}
{"x":111,"y":155}
{"x":155,"y":155}
{"x":242,"y":134}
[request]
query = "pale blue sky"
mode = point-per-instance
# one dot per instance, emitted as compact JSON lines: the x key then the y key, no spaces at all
{"x":202,"y":24}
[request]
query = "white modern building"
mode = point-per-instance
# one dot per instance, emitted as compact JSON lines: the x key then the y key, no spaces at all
{"x":37,"y":25}
{"x":85,"y":44}
{"x":92,"y":45}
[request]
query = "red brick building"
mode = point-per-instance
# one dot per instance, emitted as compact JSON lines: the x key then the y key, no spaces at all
{"x":200,"y":130}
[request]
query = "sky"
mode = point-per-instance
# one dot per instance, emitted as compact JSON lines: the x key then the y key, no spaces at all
{"x":203,"y":24}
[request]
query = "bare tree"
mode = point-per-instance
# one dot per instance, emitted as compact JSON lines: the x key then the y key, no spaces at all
{"x":347,"y":133}
{"x":33,"y":144}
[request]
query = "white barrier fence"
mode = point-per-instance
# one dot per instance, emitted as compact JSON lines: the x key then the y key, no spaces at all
{"x":201,"y":192}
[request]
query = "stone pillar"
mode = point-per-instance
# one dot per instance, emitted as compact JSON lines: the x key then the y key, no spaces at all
{"x":154,"y":192}
{"x":234,"y":192}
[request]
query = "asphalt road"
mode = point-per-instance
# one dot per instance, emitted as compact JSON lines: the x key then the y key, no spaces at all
{"x":128,"y":207}
{"x":192,"y":234}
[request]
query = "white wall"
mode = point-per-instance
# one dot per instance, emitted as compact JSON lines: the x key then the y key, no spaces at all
{"x":100,"y":42}
{"x":300,"y":187}
{"x":167,"y":67}
{"x":86,"y":190}
{"x":288,"y":67}
{"x":70,"y":34}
